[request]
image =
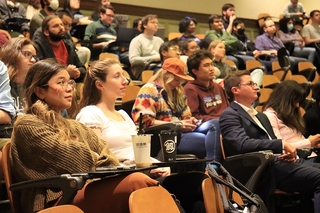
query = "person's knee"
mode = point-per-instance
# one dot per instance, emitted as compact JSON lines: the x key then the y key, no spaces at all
{"x":139,"y":180}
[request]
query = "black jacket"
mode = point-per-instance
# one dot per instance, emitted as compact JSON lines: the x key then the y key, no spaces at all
{"x":44,"y":51}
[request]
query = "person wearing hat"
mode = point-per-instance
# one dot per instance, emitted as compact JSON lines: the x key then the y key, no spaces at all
{"x":164,"y":99}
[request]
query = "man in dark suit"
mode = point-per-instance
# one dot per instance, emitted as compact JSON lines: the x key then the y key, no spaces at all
{"x":246,"y":130}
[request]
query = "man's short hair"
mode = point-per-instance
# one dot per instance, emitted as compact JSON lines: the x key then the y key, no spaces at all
{"x":313,"y":12}
{"x":195,"y":60}
{"x":225,"y":7}
{"x":46,"y":20}
{"x":103,"y":9}
{"x":212,"y":17}
{"x":233,"y":80}
{"x":166,"y":45}
{"x":145,"y":20}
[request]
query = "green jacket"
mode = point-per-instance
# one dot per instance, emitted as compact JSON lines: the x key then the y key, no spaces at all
{"x":230,"y":41}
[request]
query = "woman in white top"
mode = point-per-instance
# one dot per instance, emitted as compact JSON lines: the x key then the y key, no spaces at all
{"x":103,"y":84}
{"x":282,"y":109}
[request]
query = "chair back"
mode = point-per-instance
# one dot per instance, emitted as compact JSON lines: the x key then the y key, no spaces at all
{"x":264,"y":95}
{"x":152,"y":199}
{"x":62,"y":208}
{"x":108,"y":55}
{"x":200,"y":36}
{"x":131,"y":93}
{"x":253,"y":64}
{"x":174,"y":35}
{"x":15,"y":207}
{"x":146,"y":75}
{"x":262,"y":17}
{"x":211,"y":196}
{"x":270,"y":81}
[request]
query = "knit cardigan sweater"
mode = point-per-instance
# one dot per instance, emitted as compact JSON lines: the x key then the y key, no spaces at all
{"x":39,"y":151}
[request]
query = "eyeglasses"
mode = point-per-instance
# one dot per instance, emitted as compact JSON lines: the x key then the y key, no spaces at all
{"x":29,"y":55}
{"x":174,"y":49}
{"x":250,"y":83}
{"x":194,"y":48}
{"x":65,"y":83}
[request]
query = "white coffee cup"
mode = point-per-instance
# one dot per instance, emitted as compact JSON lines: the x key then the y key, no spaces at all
{"x":141,"y":149}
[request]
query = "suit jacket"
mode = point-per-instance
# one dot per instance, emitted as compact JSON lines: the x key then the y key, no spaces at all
{"x":241,"y":134}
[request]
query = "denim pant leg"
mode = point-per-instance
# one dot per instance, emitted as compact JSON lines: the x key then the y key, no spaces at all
{"x":306,"y":52}
{"x":294,"y":63}
{"x":242,"y":60}
{"x":302,"y":176}
{"x":193,"y":143}
{"x":211,"y":129}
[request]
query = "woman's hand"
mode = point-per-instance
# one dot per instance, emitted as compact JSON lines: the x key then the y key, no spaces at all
{"x":314,"y":140}
{"x":188,"y":125}
{"x":159,"y":172}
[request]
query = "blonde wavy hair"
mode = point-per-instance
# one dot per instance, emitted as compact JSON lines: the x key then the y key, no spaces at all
{"x":176,"y":96}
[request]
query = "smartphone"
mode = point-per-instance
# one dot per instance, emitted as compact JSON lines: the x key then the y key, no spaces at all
{"x":199,"y":122}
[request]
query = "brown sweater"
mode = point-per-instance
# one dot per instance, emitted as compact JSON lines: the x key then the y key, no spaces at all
{"x":39,"y":150}
{"x":206,"y":102}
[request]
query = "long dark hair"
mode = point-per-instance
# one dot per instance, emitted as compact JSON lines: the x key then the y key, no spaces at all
{"x":283,"y":101}
{"x":283,"y":25}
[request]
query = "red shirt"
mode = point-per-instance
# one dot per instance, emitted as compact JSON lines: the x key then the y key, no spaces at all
{"x":61,"y":53}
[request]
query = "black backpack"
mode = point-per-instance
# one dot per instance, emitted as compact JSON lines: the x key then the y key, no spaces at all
{"x":252,"y":202}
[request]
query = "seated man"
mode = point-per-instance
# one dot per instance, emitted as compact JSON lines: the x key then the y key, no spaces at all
{"x":269,"y":44}
{"x":13,"y":9}
{"x":217,"y":32}
{"x":206,"y":99}
{"x":169,"y":49}
{"x":245,"y":130}
{"x":228,"y":16}
{"x":100,"y":32}
{"x":311,"y":32}
{"x":144,"y":49}
{"x":294,"y":10}
{"x":52,"y":43}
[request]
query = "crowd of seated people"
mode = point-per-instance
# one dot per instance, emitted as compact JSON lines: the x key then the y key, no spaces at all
{"x":185,"y":90}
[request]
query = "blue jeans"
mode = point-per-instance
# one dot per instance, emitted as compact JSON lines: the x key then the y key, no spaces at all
{"x":306,"y":52}
{"x":203,"y":141}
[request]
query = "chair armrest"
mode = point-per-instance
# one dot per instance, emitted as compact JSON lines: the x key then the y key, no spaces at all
{"x":67,"y":183}
{"x":304,"y":152}
{"x":248,"y":168}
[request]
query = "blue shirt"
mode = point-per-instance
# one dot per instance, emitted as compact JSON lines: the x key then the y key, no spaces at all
{"x":264,"y":42}
{"x":6,"y":101}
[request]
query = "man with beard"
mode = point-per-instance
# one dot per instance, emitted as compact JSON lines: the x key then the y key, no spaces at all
{"x":228,"y":16}
{"x":49,"y":7}
{"x":52,"y":43}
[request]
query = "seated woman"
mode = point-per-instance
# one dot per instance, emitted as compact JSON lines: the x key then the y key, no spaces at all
{"x":188,"y":47}
{"x":103,"y":85}
{"x":187,"y":27}
{"x":61,"y":146}
{"x":282,"y":109}
{"x":290,"y":36}
{"x":218,"y":49}
{"x":164,"y":101}
{"x":18,"y":54}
